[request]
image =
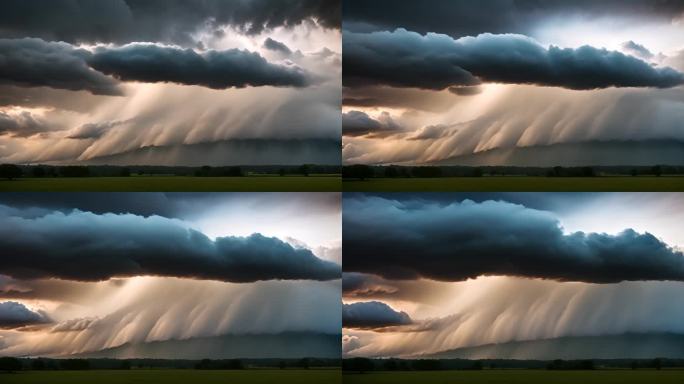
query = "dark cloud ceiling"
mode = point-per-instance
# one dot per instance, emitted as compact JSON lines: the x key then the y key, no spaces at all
{"x":169,"y":21}
{"x":454,"y":242}
{"x":84,"y":246}
{"x":372,"y":314}
{"x":407,"y":59}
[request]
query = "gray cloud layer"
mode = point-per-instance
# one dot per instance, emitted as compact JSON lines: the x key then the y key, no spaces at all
{"x":87,"y":247}
{"x":459,"y":18}
{"x":433,"y":61}
{"x":33,"y":62}
{"x":357,"y":123}
{"x":213,"y":69}
{"x":372,"y":314}
{"x":422,"y":239}
{"x":22,"y":125}
{"x":15,"y":315}
{"x":123,"y":21}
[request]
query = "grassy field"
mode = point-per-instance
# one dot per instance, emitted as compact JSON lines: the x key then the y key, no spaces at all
{"x":519,"y":184}
{"x":175,"y":184}
{"x":172,"y":376}
{"x":518,"y":377}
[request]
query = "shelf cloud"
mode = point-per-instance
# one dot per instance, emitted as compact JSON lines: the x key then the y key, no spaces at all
{"x":464,"y":240}
{"x":434,"y":61}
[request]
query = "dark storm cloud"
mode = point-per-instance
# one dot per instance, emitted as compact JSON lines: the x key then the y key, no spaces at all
{"x":16,"y":315}
{"x":124,"y":21}
{"x":361,"y":284}
{"x":213,"y":69}
{"x":637,"y":50}
{"x":36,"y":63}
{"x":357,"y":123}
{"x":411,"y":239}
{"x":460,"y":18}
{"x":86,"y":247}
{"x":277,"y":46}
{"x":372,"y":314}
{"x":23,"y":124}
{"x":408,"y":59}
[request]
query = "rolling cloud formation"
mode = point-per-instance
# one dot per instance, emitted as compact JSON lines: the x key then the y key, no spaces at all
{"x":463,"y":240}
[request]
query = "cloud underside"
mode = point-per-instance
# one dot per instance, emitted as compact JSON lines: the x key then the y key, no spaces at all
{"x":371,"y":315}
{"x":88,"y":247}
{"x":31,"y":62}
{"x":169,"y":21}
{"x":16,"y":315}
{"x":433,"y":61}
{"x":460,"y":18}
{"x":464,"y":240}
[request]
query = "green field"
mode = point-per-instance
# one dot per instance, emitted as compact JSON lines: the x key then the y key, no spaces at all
{"x":519,"y":184}
{"x":171,"y":376}
{"x":519,"y":377}
{"x":175,"y":184}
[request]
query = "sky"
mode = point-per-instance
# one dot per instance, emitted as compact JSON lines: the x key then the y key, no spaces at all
{"x":87,"y":273}
{"x":513,"y":82}
{"x":460,"y":274}
{"x":120,"y":80}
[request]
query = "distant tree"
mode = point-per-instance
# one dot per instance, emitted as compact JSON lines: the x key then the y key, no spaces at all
{"x":10,"y":364}
{"x":634,"y":365}
{"x":658,"y":364}
{"x":588,"y":172}
{"x":125,"y":365}
{"x":426,"y":365}
{"x":235,"y":364}
{"x":358,"y":364}
{"x":203,"y":364}
{"x":633,"y":172}
{"x":657,"y":170}
{"x":125,"y":172}
{"x":234,"y":172}
{"x":358,"y":171}
{"x":203,"y":171}
{"x":37,"y":364}
{"x":74,"y":364}
{"x":477,"y":366}
{"x":587,"y":364}
{"x":391,"y":365}
{"x":426,"y":172}
{"x":477,"y":172}
{"x":281,"y":171}
{"x":391,"y":171}
{"x":74,"y":171}
{"x":282,"y":364}
{"x":304,"y":169}
{"x":304,"y":363}
{"x":10,"y":171}
{"x":38,"y":172}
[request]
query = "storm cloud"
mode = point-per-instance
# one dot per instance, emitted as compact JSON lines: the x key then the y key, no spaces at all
{"x":372,"y":314}
{"x":171,"y":21}
{"x":459,"y":18}
{"x":276,"y":46}
{"x":33,"y":62}
{"x":87,"y":247}
{"x":435,"y":61}
{"x":462,"y":240}
{"x":23,"y":124}
{"x":16,"y":315}
{"x":213,"y":69}
{"x":357,"y":123}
